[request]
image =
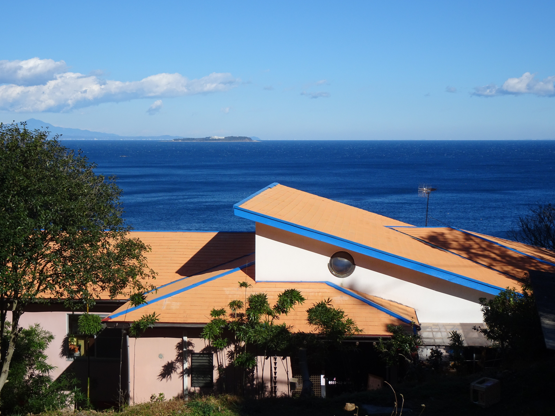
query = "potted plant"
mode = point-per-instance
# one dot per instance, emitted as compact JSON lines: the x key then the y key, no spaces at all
{"x":74,"y":348}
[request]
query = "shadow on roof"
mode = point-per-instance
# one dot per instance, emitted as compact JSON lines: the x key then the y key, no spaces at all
{"x":221,"y":249}
{"x":484,"y":252}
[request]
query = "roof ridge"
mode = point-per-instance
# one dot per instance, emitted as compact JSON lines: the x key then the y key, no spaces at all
{"x":175,"y":292}
{"x":199,"y":273}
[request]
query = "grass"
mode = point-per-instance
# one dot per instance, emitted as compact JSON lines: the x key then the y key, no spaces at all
{"x":527,"y":390}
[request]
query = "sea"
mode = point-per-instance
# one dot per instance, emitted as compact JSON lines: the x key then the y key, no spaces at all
{"x":481,"y":186}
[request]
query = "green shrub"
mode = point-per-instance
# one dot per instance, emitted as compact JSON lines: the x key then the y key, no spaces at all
{"x":512,"y":322}
{"x":30,"y":388}
{"x":402,"y":346}
{"x":456,"y":349}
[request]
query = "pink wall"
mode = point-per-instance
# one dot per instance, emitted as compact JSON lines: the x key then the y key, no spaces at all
{"x":155,"y":362}
{"x":265,"y":371}
{"x":56,"y":323}
{"x":147,"y":358}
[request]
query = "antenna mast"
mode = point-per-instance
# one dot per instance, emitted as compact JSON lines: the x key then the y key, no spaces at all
{"x":425,"y":191}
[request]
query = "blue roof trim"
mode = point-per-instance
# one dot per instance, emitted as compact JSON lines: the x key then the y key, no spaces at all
{"x":412,"y":226}
{"x":481,"y":238}
{"x":347,"y":292}
{"x":196,"y":274}
{"x":191,"y":231}
{"x":369,"y":302}
{"x":368,"y":251}
{"x":175,"y":292}
{"x":256,"y":193}
{"x":456,"y":254}
{"x":508,"y":248}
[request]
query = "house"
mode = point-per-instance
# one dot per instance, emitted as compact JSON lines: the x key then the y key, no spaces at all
{"x":378,"y":270}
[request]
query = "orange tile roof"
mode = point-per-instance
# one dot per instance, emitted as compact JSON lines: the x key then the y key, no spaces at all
{"x":190,"y":301}
{"x":175,"y":255}
{"x":510,"y":258}
{"x":538,"y":252}
{"x":373,"y":235}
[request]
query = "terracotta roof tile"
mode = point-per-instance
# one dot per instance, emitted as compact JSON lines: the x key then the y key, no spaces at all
{"x":488,"y":252}
{"x":192,"y":304}
{"x":175,"y":255}
{"x":314,"y":213}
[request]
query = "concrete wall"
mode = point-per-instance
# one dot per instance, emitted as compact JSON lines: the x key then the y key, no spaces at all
{"x":283,"y":256}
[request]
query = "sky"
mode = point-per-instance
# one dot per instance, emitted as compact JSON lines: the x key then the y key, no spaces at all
{"x":287,"y":70}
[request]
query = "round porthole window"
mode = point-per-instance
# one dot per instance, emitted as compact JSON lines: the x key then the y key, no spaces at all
{"x":341,"y":264}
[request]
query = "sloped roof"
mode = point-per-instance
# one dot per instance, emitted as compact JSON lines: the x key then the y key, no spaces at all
{"x":536,"y":252}
{"x":177,"y":254}
{"x":387,"y":239}
{"x":510,"y":258}
{"x":189,"y":301}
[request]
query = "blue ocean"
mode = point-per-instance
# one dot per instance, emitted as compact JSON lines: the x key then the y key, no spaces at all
{"x":483,"y":186}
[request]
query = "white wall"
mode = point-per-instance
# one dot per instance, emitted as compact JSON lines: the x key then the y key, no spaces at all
{"x":283,"y":256}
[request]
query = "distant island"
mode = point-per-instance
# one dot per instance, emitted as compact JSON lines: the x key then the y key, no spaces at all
{"x":217,"y":139}
{"x":79,"y":134}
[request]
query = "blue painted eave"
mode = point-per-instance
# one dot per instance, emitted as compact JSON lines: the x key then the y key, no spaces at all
{"x":367,"y":251}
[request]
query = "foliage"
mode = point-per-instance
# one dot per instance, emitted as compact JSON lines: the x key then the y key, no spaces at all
{"x":456,"y":349}
{"x":30,"y":388}
{"x":435,"y":359}
{"x":537,"y":228}
{"x":331,"y":322}
{"x":401,"y":345}
{"x":140,"y":326}
{"x":209,"y":406}
{"x":251,"y":323}
{"x":89,"y":324}
{"x":62,"y":236}
{"x":512,"y":321}
{"x":254,"y":323}
{"x":157,"y":398}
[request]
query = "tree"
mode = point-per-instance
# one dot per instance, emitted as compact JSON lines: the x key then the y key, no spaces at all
{"x":251,"y":322}
{"x":62,"y":235}
{"x":257,"y":327}
{"x":401,"y":347}
{"x":512,"y":321}
{"x":537,"y":228}
{"x":331,"y":322}
{"x":31,"y":389}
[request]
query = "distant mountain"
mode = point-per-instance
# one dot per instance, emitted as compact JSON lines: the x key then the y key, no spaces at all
{"x":68,"y":133}
{"x":79,"y":134}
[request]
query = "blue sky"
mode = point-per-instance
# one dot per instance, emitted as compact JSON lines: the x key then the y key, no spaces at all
{"x":283,"y":70}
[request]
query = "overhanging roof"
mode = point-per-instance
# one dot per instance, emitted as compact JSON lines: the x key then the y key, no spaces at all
{"x":188,"y":301}
{"x":376,"y":236}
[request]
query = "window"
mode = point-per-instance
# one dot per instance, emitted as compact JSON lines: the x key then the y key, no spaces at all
{"x":202,"y":370}
{"x":341,"y":264}
{"x":106,"y":344}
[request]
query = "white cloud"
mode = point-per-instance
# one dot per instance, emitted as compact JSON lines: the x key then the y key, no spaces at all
{"x":226,"y":110}
{"x":69,"y":90}
{"x":320,"y":94}
{"x":268,"y":88}
{"x":32,"y":71}
{"x":526,"y":84}
{"x":155,"y":107}
{"x":322,"y":82}
{"x":450,"y":89}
